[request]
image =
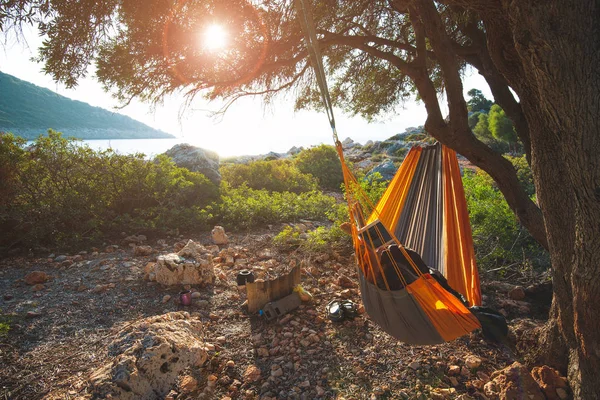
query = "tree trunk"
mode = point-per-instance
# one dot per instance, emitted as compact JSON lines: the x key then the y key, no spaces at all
{"x":558,"y":43}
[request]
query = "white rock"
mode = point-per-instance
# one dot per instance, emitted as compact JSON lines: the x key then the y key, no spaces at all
{"x":218,"y":235}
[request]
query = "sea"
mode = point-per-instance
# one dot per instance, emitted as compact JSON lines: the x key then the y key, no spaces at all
{"x":153,"y":147}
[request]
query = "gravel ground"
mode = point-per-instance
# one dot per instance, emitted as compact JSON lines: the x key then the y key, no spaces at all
{"x":60,"y":331}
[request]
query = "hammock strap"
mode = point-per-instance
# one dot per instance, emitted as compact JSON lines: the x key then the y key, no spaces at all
{"x":312,"y":45}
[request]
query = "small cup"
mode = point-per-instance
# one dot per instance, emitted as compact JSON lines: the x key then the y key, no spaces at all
{"x":185,"y":297}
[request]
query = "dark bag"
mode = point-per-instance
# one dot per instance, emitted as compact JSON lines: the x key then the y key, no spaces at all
{"x":493,"y":324}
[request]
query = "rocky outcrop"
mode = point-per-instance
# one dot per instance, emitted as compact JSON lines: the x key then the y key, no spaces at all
{"x":149,"y":356}
{"x":387,"y":169}
{"x":196,"y":159}
{"x":513,"y":383}
{"x":192,"y":265}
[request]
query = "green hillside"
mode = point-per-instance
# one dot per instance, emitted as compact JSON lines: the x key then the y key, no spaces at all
{"x":28,"y":110}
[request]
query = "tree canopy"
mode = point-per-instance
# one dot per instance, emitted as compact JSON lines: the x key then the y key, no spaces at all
{"x":377,"y":54}
{"x":478,"y":102}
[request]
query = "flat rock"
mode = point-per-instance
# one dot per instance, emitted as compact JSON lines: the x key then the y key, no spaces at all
{"x":36,"y":277}
{"x":148,"y":357}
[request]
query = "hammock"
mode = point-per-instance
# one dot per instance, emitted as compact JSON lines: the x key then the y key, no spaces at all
{"x":423,"y":208}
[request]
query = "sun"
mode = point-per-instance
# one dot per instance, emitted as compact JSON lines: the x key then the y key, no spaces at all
{"x":214,"y":37}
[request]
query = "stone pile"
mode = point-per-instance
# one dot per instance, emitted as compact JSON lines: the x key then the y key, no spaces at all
{"x":192,"y":265}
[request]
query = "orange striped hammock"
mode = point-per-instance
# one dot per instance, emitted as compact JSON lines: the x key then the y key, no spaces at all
{"x":423,"y":208}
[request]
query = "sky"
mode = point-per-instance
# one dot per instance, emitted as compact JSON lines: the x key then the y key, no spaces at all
{"x":247,"y":128}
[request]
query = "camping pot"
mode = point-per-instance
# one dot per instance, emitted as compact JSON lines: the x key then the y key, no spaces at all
{"x":245,"y":276}
{"x":185,"y":297}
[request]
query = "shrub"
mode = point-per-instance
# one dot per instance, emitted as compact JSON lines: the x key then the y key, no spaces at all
{"x":62,"y":192}
{"x":244,"y":207}
{"x":323,"y":163}
{"x":274,"y":175}
{"x":498,"y":237}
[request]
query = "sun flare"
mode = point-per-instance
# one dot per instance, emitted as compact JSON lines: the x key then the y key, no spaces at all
{"x":214,"y":38}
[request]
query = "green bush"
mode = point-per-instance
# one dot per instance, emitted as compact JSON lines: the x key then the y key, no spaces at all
{"x":323,"y":163}
{"x":498,"y":237}
{"x":244,"y":207}
{"x":59,"y":191}
{"x":273,"y":175}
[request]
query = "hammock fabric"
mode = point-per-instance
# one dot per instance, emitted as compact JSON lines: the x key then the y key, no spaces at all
{"x":423,"y":208}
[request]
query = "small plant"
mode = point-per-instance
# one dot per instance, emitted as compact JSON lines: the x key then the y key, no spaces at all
{"x":4,"y":325}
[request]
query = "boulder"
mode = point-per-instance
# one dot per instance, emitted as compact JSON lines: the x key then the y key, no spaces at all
{"x":148,"y":357}
{"x":192,"y":265}
{"x":348,"y":143}
{"x":218,"y":235}
{"x":196,"y":159}
{"x":36,"y":277}
{"x":387,"y":169}
{"x":550,"y":381}
{"x":513,"y":383}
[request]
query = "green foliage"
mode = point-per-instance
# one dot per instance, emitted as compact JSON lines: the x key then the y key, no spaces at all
{"x":474,"y":119}
{"x":481,"y":129}
{"x":478,"y":102}
{"x":323,"y":163}
{"x":500,"y":126}
{"x":28,"y":110}
{"x":498,"y":237}
{"x":273,"y":175}
{"x":4,"y":329}
{"x":373,"y":186}
{"x":483,"y":133}
{"x":524,"y":173}
{"x":243,"y":207}
{"x":61,"y":192}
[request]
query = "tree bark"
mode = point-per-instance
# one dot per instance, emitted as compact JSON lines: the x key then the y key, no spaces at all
{"x":558,"y":45}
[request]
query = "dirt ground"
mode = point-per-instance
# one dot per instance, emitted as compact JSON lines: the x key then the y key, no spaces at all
{"x":59,"y":332}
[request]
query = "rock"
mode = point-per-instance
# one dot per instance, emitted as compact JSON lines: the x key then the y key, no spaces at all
{"x":472,"y":362}
{"x":196,"y":295}
{"x":33,"y":314}
{"x":196,"y":159}
{"x":262,"y":352}
{"x":230,"y":364}
{"x":148,"y":357}
{"x":218,"y":235}
{"x":134,"y":239}
{"x":172,"y":395}
{"x":518,"y":293}
{"x":387,"y":169}
{"x":35,"y":277}
{"x":345,"y":282}
{"x":142,"y":250}
{"x":191,"y":265}
{"x":38,"y":287}
{"x":513,"y":383}
{"x":166,"y":298}
{"x":517,"y":306}
{"x":60,"y":258}
{"x":276,"y":371}
{"x":252,"y":374}
{"x":188,"y":383}
{"x":453,"y":370}
{"x":549,"y":381}
{"x":415,"y":365}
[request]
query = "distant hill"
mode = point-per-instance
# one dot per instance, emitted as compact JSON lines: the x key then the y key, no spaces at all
{"x":28,"y":110}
